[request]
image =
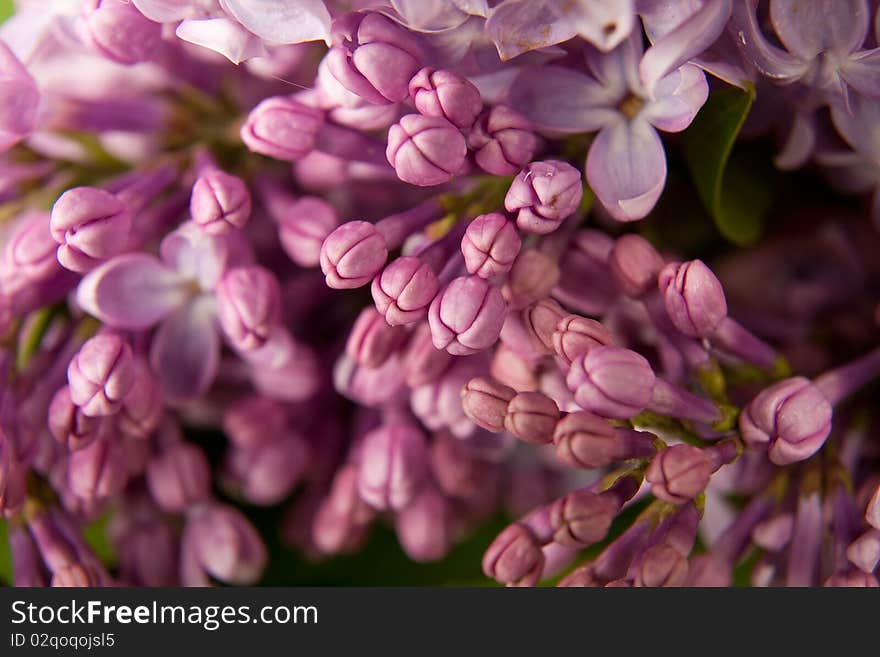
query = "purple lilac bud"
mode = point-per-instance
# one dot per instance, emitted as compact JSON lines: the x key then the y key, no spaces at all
{"x":585,"y":440}
{"x":662,"y":565}
{"x":248,"y":306}
{"x":253,"y":421}
{"x":490,"y":245}
{"x":118,"y":31}
{"x":543,"y":194}
{"x":539,"y":323}
{"x":583,"y":517}
{"x":373,"y":57}
{"x":98,"y":470}
{"x":144,"y":404}
{"x":694,"y":297}
{"x":864,"y":552}
{"x":422,"y":361}
{"x":774,"y":533}
{"x":26,"y":562}
{"x":356,"y":251}
{"x":533,"y":276}
{"x":585,"y":284}
{"x":514,"y":558}
{"x":425,"y":150}
{"x":101,"y":374}
{"x":467,"y":316}
{"x":502,"y":141}
{"x":575,"y":336}
{"x":218,"y":542}
{"x":610,"y":381}
{"x":371,"y":340}
{"x":303,"y":228}
{"x":443,"y":93}
{"x":90,"y":225}
{"x":68,"y":424}
{"x":852,"y":579}
{"x":63,"y":551}
{"x":21,"y":100}
{"x":266,"y":473}
{"x":179,"y":477}
{"x":671,"y":400}
{"x":343,"y":515}
{"x":458,"y":470}
{"x":393,"y":466}
{"x":485,"y":402}
{"x":220,"y":202}
{"x":282,"y":128}
{"x":404,"y":289}
{"x":531,"y":417}
{"x":792,"y":418}
{"x":681,"y":472}
{"x":635,"y":265}
{"x":423,"y":526}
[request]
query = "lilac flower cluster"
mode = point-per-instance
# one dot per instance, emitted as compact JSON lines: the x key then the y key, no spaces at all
{"x":393,"y":253}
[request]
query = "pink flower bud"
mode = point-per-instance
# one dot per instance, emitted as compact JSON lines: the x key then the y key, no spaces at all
{"x":179,"y":477}
{"x":792,"y":418}
{"x":253,"y":421}
{"x":101,"y":374}
{"x":68,"y":424}
{"x":531,"y":417}
{"x":582,"y":518}
{"x":248,"y":306}
{"x":21,"y":100}
{"x":220,"y":202}
{"x":443,"y":93}
{"x":372,"y":340}
{"x":118,"y":31}
{"x":373,"y":57}
{"x":612,"y":382}
{"x":282,"y":128}
{"x":543,"y":194}
{"x":490,"y":245}
{"x":353,"y":254}
{"x":304,"y":227}
{"x":485,"y":402}
{"x":679,"y":473}
{"x":467,"y":316}
{"x":425,"y":150}
{"x":404,"y":289}
{"x":90,"y":225}
{"x":635,"y":264}
{"x":575,"y":336}
{"x":424,"y":527}
{"x":502,"y":141}
{"x":514,"y":557}
{"x":694,"y":297}
{"x":98,"y":470}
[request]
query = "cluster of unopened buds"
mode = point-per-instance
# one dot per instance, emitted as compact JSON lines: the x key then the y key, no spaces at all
{"x":190,"y":328}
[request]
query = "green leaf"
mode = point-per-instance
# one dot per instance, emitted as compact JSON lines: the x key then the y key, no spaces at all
{"x":732,"y":184}
{"x":7,"y":7}
{"x":5,"y":556}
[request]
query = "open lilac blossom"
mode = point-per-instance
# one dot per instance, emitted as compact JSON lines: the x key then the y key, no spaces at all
{"x":626,"y":164}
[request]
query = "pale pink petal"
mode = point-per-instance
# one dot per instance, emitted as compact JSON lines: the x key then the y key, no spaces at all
{"x":689,"y":39}
{"x":195,"y":255}
{"x":808,"y":28}
{"x":626,"y":168}
{"x":561,"y":100}
{"x":185,"y":351}
{"x":518,"y":26}
{"x":132,"y":291}
{"x":222,"y":35}
{"x":604,"y":23}
{"x":282,"y":21}
{"x":678,"y":98}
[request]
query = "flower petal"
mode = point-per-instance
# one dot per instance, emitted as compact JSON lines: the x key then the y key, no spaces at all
{"x":195,"y":255}
{"x":518,"y":26}
{"x":282,"y":21}
{"x":132,"y":291}
{"x":626,"y":168}
{"x":561,"y":100}
{"x":862,"y":72}
{"x":185,"y":352}
{"x":679,"y":96}
{"x":224,"y":36}
{"x":808,"y":28}
{"x":604,"y":23}
{"x":690,"y":38}
{"x":771,"y":61}
{"x":171,"y":11}
{"x":858,"y":126}
{"x":428,"y":15}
